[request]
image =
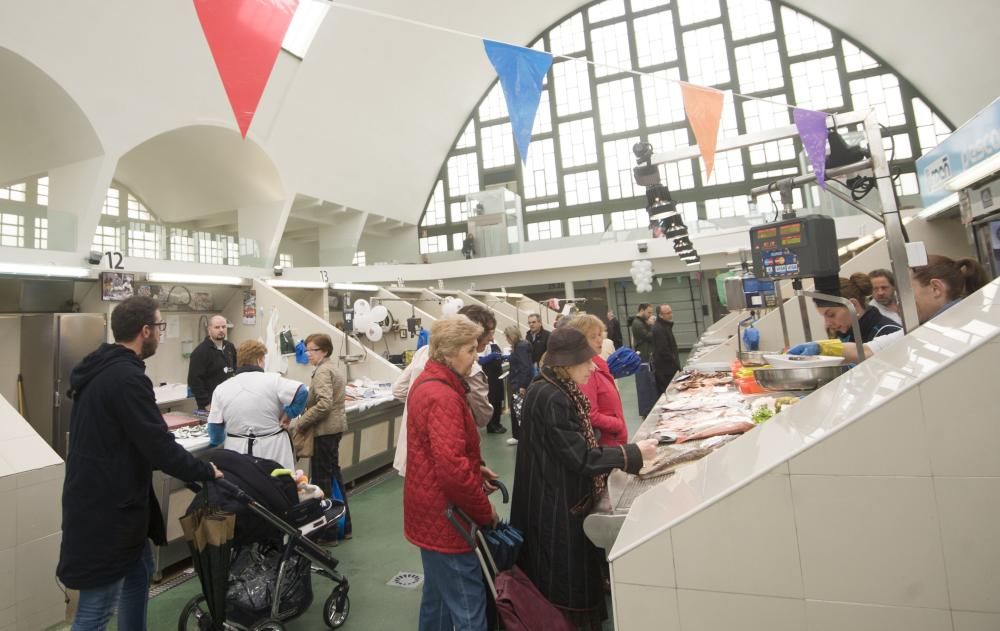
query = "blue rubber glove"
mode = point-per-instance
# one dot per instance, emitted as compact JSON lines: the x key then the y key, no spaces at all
{"x":486,"y":359}
{"x":751,"y":339}
{"x":809,"y":348}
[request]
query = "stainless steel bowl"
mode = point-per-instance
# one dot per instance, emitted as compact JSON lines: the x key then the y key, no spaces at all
{"x":752,"y":358}
{"x":797,"y":379}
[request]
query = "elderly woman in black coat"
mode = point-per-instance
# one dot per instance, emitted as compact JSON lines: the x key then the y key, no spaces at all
{"x":560,"y":474}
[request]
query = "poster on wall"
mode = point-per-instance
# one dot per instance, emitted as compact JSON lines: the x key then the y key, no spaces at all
{"x":250,"y":307}
{"x":116,"y":286}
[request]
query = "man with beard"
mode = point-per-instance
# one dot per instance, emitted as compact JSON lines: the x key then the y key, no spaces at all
{"x":666,"y":360}
{"x":117,"y":437}
{"x":884,"y":294}
{"x":211,"y":363}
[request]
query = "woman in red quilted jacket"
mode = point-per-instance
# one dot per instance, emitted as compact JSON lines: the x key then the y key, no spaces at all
{"x":442,"y":469}
{"x":606,"y":413}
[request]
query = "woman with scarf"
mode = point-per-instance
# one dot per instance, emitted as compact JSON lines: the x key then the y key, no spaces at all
{"x":561,"y":473}
{"x":250,"y":411}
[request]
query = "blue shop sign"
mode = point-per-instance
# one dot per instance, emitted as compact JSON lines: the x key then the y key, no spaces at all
{"x":970,"y":144}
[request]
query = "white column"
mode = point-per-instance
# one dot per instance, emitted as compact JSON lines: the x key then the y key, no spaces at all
{"x":76,"y":197}
{"x":338,"y":242}
{"x":263,"y":223}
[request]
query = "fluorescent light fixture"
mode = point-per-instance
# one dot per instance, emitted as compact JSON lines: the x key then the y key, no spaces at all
{"x":305,"y":23}
{"x":194,"y":279}
{"x":354,"y":287}
{"x":939,"y":207}
{"x":973,"y":174}
{"x":305,"y":284}
{"x":43,"y":270}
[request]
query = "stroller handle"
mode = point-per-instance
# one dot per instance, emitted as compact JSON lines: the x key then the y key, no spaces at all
{"x":234,"y":490}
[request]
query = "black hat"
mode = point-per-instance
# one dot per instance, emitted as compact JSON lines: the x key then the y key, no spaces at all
{"x":567,"y":347}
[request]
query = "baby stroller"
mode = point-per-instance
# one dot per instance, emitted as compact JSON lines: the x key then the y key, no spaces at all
{"x":272,"y":560}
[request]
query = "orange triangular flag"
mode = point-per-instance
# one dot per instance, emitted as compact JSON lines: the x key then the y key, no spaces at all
{"x":704,"y":111}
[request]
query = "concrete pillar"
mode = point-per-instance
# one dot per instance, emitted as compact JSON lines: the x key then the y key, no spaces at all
{"x":76,"y":197}
{"x":339,"y":242}
{"x":263,"y":224}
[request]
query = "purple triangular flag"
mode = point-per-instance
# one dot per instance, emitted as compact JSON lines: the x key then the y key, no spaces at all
{"x":813,"y":132}
{"x":521,"y":72}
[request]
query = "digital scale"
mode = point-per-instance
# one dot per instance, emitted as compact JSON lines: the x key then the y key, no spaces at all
{"x":802,"y":247}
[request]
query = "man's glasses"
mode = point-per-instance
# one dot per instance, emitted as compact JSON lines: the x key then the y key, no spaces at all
{"x":160,"y":325}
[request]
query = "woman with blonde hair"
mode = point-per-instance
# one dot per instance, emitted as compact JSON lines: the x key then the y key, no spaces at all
{"x":443,"y":470}
{"x":606,"y":412}
{"x":250,"y":411}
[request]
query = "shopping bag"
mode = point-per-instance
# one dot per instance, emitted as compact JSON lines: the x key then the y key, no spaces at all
{"x":523,"y":608}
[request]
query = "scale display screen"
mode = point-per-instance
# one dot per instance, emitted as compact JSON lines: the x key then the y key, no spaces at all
{"x":759,"y":292}
{"x":804,"y":247}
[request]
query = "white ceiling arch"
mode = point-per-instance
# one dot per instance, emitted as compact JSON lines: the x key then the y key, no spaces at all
{"x":41,"y":126}
{"x":192,"y":172}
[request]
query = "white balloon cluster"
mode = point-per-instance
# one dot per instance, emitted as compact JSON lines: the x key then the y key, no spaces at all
{"x":642,"y":276}
{"x":451,"y":305}
{"x":368,"y":319}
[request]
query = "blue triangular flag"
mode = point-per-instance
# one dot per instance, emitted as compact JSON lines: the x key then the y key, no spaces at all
{"x":521,"y":72}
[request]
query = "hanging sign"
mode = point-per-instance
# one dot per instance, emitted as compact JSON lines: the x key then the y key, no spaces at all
{"x":521,"y":72}
{"x":703,"y":107}
{"x":813,"y":132}
{"x":245,"y":39}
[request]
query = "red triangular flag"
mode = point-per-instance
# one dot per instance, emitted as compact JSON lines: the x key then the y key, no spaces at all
{"x":704,"y":111}
{"x":245,"y":39}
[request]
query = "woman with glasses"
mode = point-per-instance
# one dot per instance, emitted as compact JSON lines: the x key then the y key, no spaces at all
{"x":325,"y":420}
{"x":250,"y":411}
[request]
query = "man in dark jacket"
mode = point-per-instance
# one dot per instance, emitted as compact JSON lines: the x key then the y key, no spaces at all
{"x":666,"y":359}
{"x":615,"y":330}
{"x":641,"y":328}
{"x":211,"y":363}
{"x":117,"y":437}
{"x":537,"y":337}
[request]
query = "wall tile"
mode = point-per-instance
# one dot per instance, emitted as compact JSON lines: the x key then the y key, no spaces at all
{"x":712,"y":611}
{"x":39,"y":511}
{"x":975,"y":621}
{"x":890,"y":440}
{"x":39,"y":476}
{"x":751,"y":534}
{"x":640,"y":608}
{"x":28,"y":453}
{"x":970,"y":521}
{"x":8,"y":579}
{"x":830,"y":616}
{"x":8,"y":520}
{"x":650,"y":564}
{"x":962,"y":421}
{"x":35,"y":566}
{"x":873,"y":540}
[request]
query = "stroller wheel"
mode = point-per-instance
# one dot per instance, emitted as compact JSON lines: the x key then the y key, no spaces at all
{"x":195,"y":616}
{"x":268,"y":625}
{"x":337,"y":608}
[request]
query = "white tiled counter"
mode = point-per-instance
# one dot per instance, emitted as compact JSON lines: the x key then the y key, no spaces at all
{"x":31,"y":480}
{"x":872,"y":504}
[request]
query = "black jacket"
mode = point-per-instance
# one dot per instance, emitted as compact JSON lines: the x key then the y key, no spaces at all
{"x":615,"y":332}
{"x":666,"y":359}
{"x":554,"y":472}
{"x":493,"y":370}
{"x":872,"y":324}
{"x":208,"y":368}
{"x":521,"y":370}
{"x":538,"y":344}
{"x":117,"y":437}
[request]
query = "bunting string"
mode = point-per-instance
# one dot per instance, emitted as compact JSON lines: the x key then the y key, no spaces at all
{"x":617,"y":69}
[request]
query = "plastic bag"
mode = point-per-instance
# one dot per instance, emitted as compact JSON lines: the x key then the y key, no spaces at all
{"x":252,"y":580}
{"x":300,"y":353}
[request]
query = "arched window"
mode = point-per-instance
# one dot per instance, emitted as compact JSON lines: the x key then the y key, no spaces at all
{"x":578,"y":176}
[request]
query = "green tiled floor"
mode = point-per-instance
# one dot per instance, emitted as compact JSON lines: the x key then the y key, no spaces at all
{"x":377,"y":552}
